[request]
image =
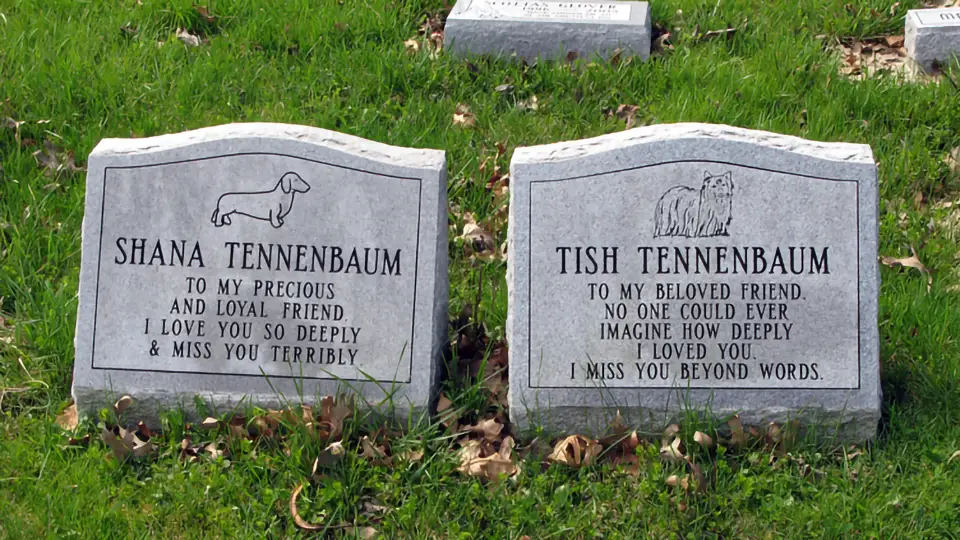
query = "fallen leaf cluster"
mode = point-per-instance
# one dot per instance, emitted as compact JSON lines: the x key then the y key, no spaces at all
{"x":127,"y":443}
{"x":862,"y":58}
{"x":485,"y":448}
{"x":54,"y":159}
{"x":485,"y":451}
{"x":462,"y":116}
{"x":627,"y":113}
{"x":866,"y":57}
{"x":192,"y":37}
{"x":429,"y":36}
{"x":51,"y":157}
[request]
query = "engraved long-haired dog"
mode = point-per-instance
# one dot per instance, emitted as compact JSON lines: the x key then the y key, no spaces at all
{"x":683,"y":211}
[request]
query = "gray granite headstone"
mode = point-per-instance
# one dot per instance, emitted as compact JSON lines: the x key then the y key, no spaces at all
{"x":932,"y":35}
{"x":261,"y":262}
{"x":534,"y":29}
{"x":694,"y":266}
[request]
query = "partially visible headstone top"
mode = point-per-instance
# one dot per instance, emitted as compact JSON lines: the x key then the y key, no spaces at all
{"x":698,"y":266}
{"x":932,"y":35}
{"x":534,"y":29}
{"x":261,"y":262}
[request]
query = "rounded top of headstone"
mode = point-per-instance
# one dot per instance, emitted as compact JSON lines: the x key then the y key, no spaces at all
{"x":280,"y":133}
{"x":833,"y":151}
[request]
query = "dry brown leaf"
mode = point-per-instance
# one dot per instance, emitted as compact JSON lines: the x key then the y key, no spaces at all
{"x":953,"y":160}
{"x":699,"y":478}
{"x":188,"y":39}
{"x":506,"y":447}
{"x":491,"y":467}
{"x":188,"y":452}
{"x":214,"y":451}
{"x":299,"y":521}
{"x":773,"y":434}
{"x":489,"y":428}
{"x":673,"y":452}
{"x":82,"y":441}
{"x":704,"y":440}
{"x":617,"y":426}
{"x":67,"y":420}
{"x":376,"y":454}
{"x":204,"y":12}
{"x":895,"y":42}
{"x":576,"y":451}
{"x":412,"y":45}
{"x":627,"y":113}
{"x":333,"y":413}
{"x":629,"y":461}
{"x":209,"y":423}
{"x":55,"y":159}
{"x":469,"y":451}
{"x":913,"y":261}
{"x":529,"y":104}
{"x":122,"y":404}
{"x":411,"y":456}
{"x":463,"y":117}
{"x":361,"y":532}
{"x":661,"y":43}
{"x":478,"y":241}
{"x":669,"y":434}
{"x":237,"y":426}
{"x":738,"y":438}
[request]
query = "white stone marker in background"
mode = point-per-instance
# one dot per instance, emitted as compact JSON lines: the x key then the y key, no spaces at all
{"x":694,"y":265}
{"x":548,"y":29}
{"x":246,"y":260}
{"x":932,"y":35}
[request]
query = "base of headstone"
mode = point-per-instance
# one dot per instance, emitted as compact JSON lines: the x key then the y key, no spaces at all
{"x":532,"y":29}
{"x":323,"y":252}
{"x":628,"y":196}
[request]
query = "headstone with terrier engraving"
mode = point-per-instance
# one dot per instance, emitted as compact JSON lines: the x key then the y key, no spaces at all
{"x":933,"y":36}
{"x":548,"y":29}
{"x":261,"y":263}
{"x":694,"y":267}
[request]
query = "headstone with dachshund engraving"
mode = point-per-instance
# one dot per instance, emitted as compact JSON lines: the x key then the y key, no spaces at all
{"x":694,"y":267}
{"x":261,"y":262}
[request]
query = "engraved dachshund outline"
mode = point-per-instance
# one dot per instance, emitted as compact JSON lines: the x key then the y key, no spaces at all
{"x":272,"y":206}
{"x":693,"y":213}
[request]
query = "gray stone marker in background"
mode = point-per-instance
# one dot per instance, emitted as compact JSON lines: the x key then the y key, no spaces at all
{"x":259,"y":261}
{"x":932,"y":35}
{"x":698,"y":266}
{"x":534,"y":29}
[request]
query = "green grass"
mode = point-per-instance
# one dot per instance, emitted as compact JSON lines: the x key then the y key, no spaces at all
{"x":343,"y":66}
